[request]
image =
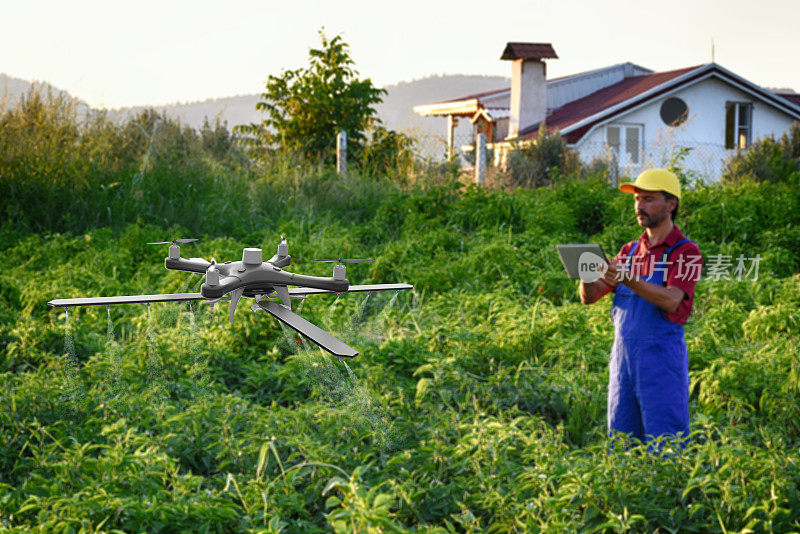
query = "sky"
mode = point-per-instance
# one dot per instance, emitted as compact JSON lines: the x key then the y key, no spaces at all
{"x":121,"y":53}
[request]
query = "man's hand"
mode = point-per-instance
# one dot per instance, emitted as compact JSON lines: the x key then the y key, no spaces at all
{"x":591,"y":292}
{"x":667,"y":298}
{"x":615,"y":273}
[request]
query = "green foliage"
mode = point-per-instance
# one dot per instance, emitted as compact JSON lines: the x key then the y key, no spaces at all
{"x":477,"y":403}
{"x":768,"y":160}
{"x":388,"y":153}
{"x":59,"y":173}
{"x":306,"y":108}
{"x":541,"y":162}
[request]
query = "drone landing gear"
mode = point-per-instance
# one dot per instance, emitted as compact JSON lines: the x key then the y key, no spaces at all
{"x":319,"y":336}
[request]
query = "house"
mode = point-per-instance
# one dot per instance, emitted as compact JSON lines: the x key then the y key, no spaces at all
{"x":625,"y":114}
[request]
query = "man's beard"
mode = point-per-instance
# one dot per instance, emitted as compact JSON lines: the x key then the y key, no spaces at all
{"x":651,"y":220}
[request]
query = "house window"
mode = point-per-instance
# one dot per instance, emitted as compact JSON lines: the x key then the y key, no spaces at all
{"x":738,"y":124}
{"x":674,"y":111}
{"x":625,"y":141}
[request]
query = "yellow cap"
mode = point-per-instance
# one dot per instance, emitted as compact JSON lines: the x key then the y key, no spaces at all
{"x":654,"y":180}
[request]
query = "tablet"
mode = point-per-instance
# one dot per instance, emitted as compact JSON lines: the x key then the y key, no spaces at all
{"x":585,"y":261}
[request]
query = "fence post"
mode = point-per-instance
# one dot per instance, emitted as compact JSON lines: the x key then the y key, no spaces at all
{"x":341,"y":153}
{"x":480,"y":158}
{"x":451,"y":124}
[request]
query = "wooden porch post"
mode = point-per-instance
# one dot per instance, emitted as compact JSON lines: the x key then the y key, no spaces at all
{"x":451,"y":124}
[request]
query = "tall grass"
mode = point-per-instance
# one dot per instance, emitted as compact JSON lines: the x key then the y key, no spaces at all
{"x":477,"y":403}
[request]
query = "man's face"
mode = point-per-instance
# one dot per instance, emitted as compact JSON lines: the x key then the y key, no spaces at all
{"x":651,"y":208}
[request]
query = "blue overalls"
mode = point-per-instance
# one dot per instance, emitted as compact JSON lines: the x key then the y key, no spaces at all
{"x":648,"y":387}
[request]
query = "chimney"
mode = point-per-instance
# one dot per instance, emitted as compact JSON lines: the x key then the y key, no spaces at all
{"x":528,"y":88}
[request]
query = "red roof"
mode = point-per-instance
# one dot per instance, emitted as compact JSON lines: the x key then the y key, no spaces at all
{"x":583,"y":108}
{"x":529,"y":51}
{"x":794,"y":98}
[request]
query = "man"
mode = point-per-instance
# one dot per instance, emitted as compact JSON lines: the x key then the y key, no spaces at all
{"x":653,"y":281}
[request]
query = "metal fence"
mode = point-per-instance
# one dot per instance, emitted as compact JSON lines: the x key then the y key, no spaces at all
{"x":703,"y":162}
{"x":434,"y":147}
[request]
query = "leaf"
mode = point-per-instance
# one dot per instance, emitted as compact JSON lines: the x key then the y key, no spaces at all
{"x":422,"y":387}
{"x":335,"y":482}
{"x":424,"y":368}
{"x":262,"y":459}
{"x":382,"y":500}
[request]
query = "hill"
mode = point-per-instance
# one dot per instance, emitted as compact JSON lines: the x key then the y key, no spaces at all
{"x":12,"y":89}
{"x":395,"y":111}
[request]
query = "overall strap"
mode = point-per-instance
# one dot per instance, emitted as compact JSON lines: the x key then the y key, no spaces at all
{"x":665,"y":257}
{"x":631,"y":252}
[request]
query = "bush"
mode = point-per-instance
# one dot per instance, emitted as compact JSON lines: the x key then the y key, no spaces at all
{"x":541,"y":162}
{"x":388,"y":154}
{"x":768,"y":160}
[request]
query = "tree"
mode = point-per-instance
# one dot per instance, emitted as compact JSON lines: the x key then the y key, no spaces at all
{"x":307,"y":107}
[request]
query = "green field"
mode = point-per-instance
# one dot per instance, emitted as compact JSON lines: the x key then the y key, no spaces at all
{"x":477,"y":402}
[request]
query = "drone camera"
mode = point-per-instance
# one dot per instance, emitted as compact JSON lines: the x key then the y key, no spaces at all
{"x":252,"y":256}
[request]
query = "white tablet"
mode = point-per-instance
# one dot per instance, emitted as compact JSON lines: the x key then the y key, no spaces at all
{"x":584,"y":261}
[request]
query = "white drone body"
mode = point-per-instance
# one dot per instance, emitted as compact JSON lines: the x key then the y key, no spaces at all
{"x":255,"y":279}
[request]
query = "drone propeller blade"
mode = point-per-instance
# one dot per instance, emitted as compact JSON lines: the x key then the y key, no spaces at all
{"x":344,"y":260}
{"x":173,"y":242}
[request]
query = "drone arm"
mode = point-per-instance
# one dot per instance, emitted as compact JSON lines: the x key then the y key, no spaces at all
{"x":127,"y":299}
{"x":280,"y":261}
{"x":193,"y":265}
{"x":296,"y":291}
{"x":319,"y":336}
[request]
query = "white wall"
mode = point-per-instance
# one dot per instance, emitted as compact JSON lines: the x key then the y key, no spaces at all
{"x":704,"y":131}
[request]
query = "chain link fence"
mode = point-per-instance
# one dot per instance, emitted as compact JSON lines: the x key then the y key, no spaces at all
{"x":704,"y":162}
{"x":432,"y":147}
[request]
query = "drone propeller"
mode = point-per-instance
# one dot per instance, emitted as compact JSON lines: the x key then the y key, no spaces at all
{"x":173,"y":242}
{"x":343,"y":260}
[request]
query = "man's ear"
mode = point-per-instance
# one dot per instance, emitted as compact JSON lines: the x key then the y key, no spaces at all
{"x":673,"y":205}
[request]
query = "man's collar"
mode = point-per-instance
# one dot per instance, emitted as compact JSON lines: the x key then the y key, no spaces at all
{"x":673,"y":237}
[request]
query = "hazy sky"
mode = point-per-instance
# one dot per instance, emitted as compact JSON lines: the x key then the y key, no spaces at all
{"x":120,"y":53}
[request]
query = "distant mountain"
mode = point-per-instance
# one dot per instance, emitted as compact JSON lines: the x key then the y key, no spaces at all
{"x":13,"y":89}
{"x":232,"y":110}
{"x":395,"y":111}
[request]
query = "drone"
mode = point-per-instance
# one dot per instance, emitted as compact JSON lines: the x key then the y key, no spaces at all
{"x":253,"y":278}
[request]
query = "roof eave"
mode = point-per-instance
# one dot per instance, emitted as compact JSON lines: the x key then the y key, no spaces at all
{"x":639,"y":99}
{"x":695,"y":76}
{"x":458,"y":108}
